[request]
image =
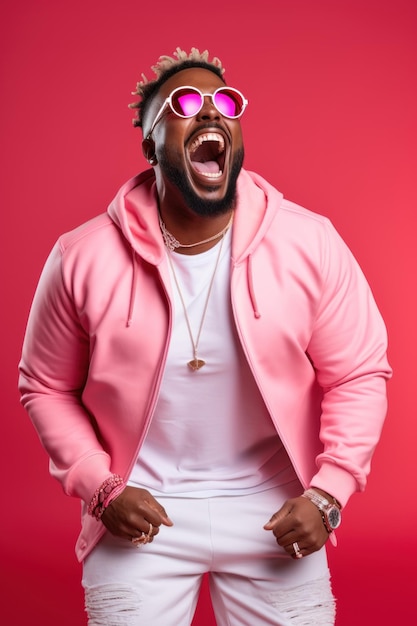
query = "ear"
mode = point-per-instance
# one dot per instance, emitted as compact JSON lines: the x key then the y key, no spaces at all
{"x":148,"y":149}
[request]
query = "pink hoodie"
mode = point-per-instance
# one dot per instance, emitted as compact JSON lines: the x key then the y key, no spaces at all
{"x":100,"y":324}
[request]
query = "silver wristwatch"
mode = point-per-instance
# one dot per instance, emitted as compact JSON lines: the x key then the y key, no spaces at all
{"x":330,"y":512}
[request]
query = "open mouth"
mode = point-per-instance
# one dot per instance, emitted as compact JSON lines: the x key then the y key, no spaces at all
{"x":207,"y":154}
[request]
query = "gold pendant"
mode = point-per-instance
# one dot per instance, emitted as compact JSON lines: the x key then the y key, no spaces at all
{"x":196,"y":364}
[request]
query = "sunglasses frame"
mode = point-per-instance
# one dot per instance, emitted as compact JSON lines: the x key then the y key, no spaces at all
{"x":168,"y":102}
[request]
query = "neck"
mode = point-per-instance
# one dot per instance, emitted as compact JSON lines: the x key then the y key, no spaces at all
{"x":193,"y":234}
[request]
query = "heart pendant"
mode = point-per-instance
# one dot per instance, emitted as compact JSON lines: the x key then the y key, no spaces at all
{"x":196,"y":364}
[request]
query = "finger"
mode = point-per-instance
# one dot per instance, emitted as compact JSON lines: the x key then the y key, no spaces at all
{"x":157,"y":513}
{"x":286,"y":539}
{"x":148,"y":524}
{"x":277,"y":517}
{"x":148,"y":529}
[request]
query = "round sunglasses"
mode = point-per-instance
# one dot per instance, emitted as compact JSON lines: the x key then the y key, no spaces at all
{"x":188,"y":101}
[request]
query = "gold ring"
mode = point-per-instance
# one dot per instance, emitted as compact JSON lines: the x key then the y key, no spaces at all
{"x":143,"y":537}
{"x":149,"y":535}
{"x":297,"y":551}
{"x":141,"y":540}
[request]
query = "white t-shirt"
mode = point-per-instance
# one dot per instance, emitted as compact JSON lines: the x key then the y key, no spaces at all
{"x":211,"y":433}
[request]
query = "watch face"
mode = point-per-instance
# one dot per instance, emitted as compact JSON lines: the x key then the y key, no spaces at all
{"x":334,"y":517}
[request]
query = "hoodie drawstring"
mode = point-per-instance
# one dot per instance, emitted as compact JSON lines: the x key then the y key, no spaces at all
{"x":132,"y":289}
{"x":251,"y":289}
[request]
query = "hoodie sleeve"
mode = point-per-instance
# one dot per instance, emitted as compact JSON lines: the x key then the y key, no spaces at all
{"x":53,"y":371}
{"x":348,"y":350}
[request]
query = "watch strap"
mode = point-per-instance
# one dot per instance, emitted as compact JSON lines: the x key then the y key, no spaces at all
{"x":320,"y":501}
{"x":323,"y":505}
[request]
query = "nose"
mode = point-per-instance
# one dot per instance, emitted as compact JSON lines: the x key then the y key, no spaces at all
{"x":208,"y":110}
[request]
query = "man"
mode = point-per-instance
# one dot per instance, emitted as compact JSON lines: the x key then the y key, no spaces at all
{"x":206,"y":367}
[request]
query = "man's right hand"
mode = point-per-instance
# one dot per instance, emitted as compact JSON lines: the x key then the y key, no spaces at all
{"x":133,"y":512}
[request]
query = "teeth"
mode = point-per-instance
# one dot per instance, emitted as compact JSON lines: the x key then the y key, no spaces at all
{"x":207,"y":137}
{"x":212,"y":174}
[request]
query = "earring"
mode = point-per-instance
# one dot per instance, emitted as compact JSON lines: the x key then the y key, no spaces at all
{"x":153,"y":160}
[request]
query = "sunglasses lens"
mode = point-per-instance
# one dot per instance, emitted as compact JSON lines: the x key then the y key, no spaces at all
{"x":186,"y":102}
{"x":229,"y":103}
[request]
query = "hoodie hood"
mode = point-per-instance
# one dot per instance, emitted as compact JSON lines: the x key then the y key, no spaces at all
{"x":134,"y":210}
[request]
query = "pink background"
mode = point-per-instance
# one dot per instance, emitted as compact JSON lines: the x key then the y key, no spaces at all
{"x":331,"y":122}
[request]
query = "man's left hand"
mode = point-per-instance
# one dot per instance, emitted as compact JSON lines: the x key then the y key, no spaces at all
{"x":298,"y":522}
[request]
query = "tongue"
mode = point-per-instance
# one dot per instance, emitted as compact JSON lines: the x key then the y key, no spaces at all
{"x":207,"y":166}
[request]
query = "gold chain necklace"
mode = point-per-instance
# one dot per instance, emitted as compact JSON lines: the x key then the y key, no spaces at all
{"x":196,"y":363}
{"x":172,"y":243}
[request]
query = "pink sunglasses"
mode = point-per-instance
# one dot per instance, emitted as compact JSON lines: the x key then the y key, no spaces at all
{"x":188,"y":101}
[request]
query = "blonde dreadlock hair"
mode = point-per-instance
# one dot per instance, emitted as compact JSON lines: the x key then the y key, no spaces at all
{"x":165,"y":68}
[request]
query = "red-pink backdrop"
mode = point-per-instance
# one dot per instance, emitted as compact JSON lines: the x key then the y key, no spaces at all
{"x":331,"y":122}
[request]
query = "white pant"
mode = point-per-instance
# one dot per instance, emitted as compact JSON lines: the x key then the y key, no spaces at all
{"x":253,"y":582}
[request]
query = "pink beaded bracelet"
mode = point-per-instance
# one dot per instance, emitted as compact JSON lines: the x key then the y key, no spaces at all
{"x":104,"y":495}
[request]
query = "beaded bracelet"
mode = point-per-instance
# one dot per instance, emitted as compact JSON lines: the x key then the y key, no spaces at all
{"x":104,"y":495}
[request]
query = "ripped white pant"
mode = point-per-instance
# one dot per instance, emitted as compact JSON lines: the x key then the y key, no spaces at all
{"x":253,"y":582}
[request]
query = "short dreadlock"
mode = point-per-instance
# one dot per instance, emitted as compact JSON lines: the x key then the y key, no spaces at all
{"x":167,"y":67}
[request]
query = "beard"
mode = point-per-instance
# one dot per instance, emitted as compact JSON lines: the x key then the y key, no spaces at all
{"x":203,"y":206}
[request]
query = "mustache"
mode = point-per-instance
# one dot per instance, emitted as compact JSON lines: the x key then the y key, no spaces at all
{"x":208,"y":126}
